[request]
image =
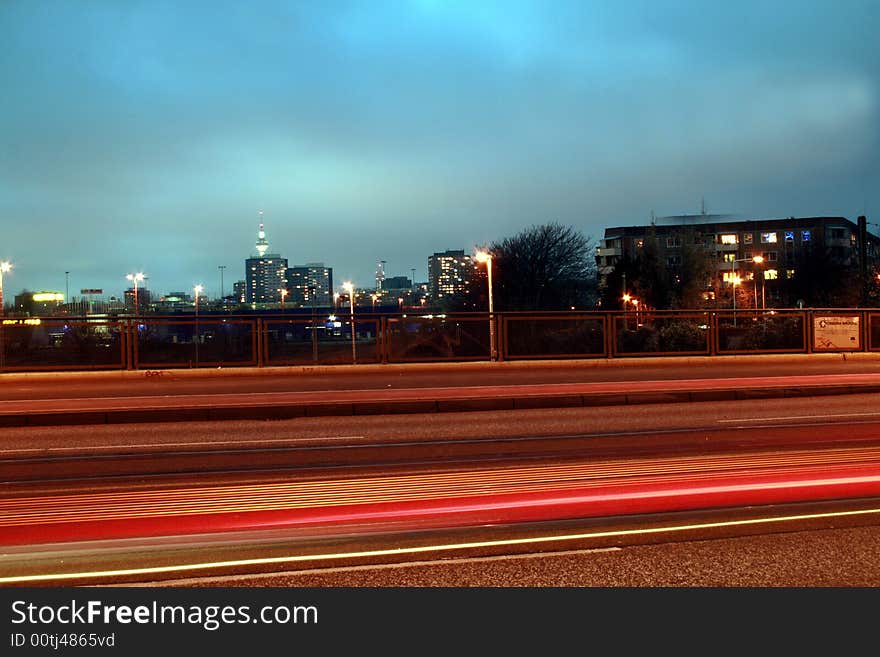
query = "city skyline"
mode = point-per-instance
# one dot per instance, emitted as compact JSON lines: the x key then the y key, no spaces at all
{"x":148,"y":136}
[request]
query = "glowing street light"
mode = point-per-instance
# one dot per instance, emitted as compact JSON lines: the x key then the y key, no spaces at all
{"x":5,"y":266}
{"x":134,"y":278}
{"x":284,"y":292}
{"x":485,"y":256}
{"x":736,"y":280}
{"x":335,"y":302}
{"x":349,"y":287}
{"x":374,"y":297}
{"x":198,"y":291}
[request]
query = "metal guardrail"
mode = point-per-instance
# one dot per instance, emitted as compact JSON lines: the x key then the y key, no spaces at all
{"x":187,"y":341}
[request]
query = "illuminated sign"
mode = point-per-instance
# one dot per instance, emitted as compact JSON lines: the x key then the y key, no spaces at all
{"x":22,"y":322}
{"x":48,"y":296}
{"x":835,"y":332}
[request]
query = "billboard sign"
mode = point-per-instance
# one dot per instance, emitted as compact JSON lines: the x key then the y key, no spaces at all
{"x":836,"y":332}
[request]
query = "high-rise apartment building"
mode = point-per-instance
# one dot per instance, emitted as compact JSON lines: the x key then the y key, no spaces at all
{"x":310,"y":284}
{"x":449,"y":273}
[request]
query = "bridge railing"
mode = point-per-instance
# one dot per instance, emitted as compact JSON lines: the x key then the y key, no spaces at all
{"x":266,"y":340}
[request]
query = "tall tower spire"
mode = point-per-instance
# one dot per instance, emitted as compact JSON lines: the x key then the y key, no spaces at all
{"x":262,"y":242}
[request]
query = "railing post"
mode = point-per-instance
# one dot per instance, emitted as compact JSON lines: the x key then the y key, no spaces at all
{"x":611,"y":338}
{"x":383,"y":345}
{"x":713,"y":331}
{"x":130,"y":333}
{"x":808,"y":330}
{"x":261,"y":341}
{"x":500,"y":337}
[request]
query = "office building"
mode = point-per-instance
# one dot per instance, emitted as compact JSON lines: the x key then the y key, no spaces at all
{"x":449,"y":274}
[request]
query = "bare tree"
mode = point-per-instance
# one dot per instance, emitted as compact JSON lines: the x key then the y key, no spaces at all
{"x":545,"y":267}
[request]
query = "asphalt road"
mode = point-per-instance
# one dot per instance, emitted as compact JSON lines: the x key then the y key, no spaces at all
{"x":65,"y":385}
{"x":113,"y":398}
{"x":849,"y":421}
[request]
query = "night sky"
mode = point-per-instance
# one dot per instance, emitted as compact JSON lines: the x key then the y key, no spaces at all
{"x":148,"y":135}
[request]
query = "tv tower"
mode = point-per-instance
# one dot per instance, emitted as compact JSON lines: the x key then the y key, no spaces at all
{"x":380,"y":275}
{"x":262,"y":242}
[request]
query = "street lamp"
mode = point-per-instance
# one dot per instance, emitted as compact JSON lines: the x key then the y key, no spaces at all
{"x":134,"y":278}
{"x":198,"y":291}
{"x":374,"y":297}
{"x":349,"y":287}
{"x":758,"y":260}
{"x":5,"y":266}
{"x":485,"y":256}
{"x":734,"y":279}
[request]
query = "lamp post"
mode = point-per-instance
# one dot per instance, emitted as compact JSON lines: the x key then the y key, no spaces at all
{"x":313,"y":291}
{"x":734,"y":279}
{"x":198,"y":291}
{"x":134,"y":278}
{"x":758,"y":260}
{"x":5,"y":266}
{"x":349,"y":287}
{"x":222,"y":297}
{"x":484,"y":256}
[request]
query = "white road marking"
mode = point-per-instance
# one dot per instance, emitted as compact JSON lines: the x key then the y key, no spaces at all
{"x":252,"y":443}
{"x":448,"y":547}
{"x":799,"y":417}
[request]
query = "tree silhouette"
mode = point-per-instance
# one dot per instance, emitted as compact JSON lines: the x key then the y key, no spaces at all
{"x":544,"y":267}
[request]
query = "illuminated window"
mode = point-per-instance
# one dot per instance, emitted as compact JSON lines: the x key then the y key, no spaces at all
{"x":789,"y":273}
{"x":728,"y":239}
{"x":789,"y":236}
{"x":747,"y":238}
{"x":768,"y":238}
{"x":729,"y":257}
{"x":805,"y":236}
{"x":640,"y":244}
{"x":770,"y":274}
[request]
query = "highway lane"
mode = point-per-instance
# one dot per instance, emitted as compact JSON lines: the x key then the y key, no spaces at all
{"x":37,"y":386}
{"x":832,"y":428}
{"x":822,"y":420}
{"x":818,"y":544}
{"x":830,"y":432}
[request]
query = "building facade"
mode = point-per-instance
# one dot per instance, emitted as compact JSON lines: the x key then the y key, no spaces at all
{"x":449,"y":274}
{"x":310,"y":284}
{"x":732,"y":245}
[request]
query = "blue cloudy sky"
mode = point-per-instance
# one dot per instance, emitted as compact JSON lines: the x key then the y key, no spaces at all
{"x":148,"y":134}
